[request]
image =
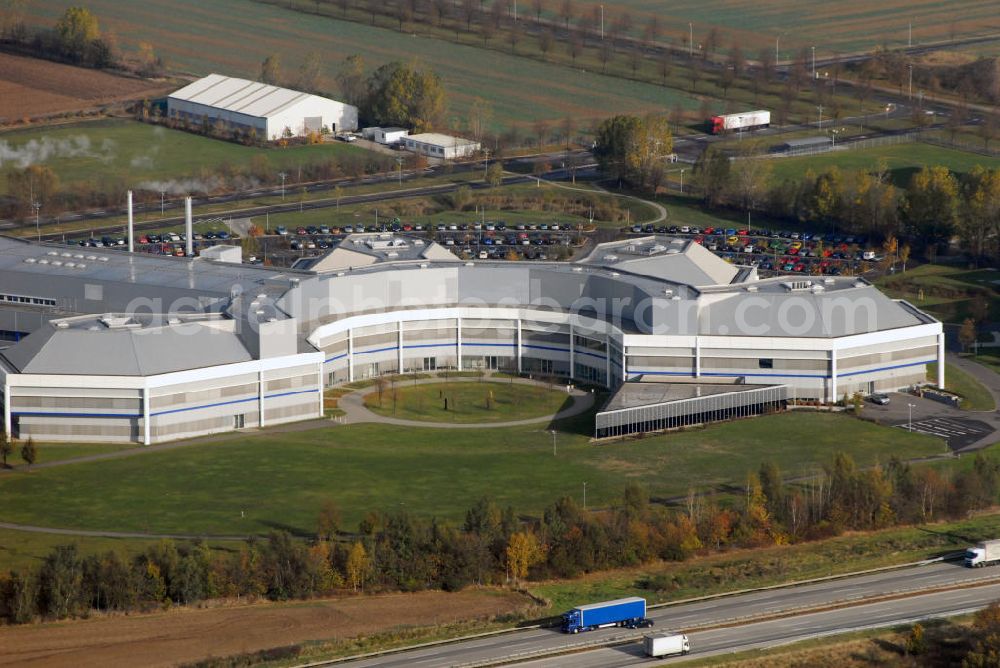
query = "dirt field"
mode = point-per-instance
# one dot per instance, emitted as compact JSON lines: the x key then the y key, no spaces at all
{"x":32,"y":87}
{"x":179,"y":636}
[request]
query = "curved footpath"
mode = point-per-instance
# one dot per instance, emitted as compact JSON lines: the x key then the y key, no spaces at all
{"x":355,"y":411}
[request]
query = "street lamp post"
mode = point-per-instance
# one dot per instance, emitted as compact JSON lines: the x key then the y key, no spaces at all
{"x":909,"y":426}
{"x":553,"y":432}
{"x":399,"y":162}
{"x":602,"y":23}
{"x":38,"y":232}
{"x":162,"y":193}
{"x":690,"y":40}
{"x":820,"y":107}
{"x":486,"y":168}
{"x":814,"y":62}
{"x":585,"y":495}
{"x":909,"y":94}
{"x":283,"y":175}
{"x":682,"y":181}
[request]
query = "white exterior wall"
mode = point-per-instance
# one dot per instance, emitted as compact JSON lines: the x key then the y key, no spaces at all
{"x":337,"y":116}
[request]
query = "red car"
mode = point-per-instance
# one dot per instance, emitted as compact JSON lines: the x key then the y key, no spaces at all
{"x":709,"y":230}
{"x":799,"y":267}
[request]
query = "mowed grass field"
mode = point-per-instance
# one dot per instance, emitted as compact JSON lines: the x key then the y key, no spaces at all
{"x":903,"y":160}
{"x":251,"y":483}
{"x":233,"y":37}
{"x":147,"y":155}
{"x":466,"y":402}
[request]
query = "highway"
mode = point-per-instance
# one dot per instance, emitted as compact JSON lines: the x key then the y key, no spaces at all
{"x":532,"y":643}
{"x":777,"y":632}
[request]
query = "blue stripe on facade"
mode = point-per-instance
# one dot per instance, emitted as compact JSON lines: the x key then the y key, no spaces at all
{"x":429,"y":345}
{"x":335,"y":358}
{"x":377,"y":350}
{"x":86,"y":415}
{"x":196,"y":408}
{"x":538,"y":347}
{"x":885,"y":368}
{"x":288,"y":394}
{"x":782,"y":375}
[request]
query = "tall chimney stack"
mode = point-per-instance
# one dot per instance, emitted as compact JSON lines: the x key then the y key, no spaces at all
{"x":131,"y":230}
{"x":188,"y":228}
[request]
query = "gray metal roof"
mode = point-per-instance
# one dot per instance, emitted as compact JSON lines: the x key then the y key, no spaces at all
{"x":251,"y":98}
{"x":89,"y":346}
{"x":635,"y":394}
{"x":675,"y":260}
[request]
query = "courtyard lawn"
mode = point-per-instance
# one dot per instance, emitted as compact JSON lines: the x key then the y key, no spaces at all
{"x":251,"y":483}
{"x":466,"y":402}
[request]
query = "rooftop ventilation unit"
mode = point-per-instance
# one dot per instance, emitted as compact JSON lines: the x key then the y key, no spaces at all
{"x":577,"y":268}
{"x":103,"y":259}
{"x":668,"y":292}
{"x":469,"y":264}
{"x":91,"y":257}
{"x":118,"y":321}
{"x":611,"y":258}
{"x":70,"y":265}
{"x":30,"y":260}
{"x":615,"y":273}
{"x":66,"y":254}
{"x":173,"y":321}
{"x":797,"y":286}
{"x":62,"y":325}
{"x":860,"y":284}
{"x":752,"y":288}
{"x":80,"y":265}
{"x":43,"y":261}
{"x":423,"y":265}
{"x":56,"y":263}
{"x":52,"y":253}
{"x":673,"y":251}
{"x":676,"y":298}
{"x":829,"y":281}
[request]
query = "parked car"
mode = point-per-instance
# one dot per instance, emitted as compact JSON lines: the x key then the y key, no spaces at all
{"x":880,"y":399}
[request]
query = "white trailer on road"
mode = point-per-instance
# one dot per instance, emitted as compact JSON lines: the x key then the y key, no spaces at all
{"x":665,"y":644}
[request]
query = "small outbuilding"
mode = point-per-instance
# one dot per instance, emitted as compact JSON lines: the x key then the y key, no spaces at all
{"x":436,"y":145}
{"x":385,"y":135}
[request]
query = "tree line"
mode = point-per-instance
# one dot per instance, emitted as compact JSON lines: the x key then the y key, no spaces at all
{"x":75,"y":38}
{"x":396,"y":551}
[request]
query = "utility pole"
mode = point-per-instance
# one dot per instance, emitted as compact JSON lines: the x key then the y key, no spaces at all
{"x":399,"y":162}
{"x":814,"y":63}
{"x":682,"y":181}
{"x":909,"y":35}
{"x":161,"y":203}
{"x":690,"y":40}
{"x":283,"y":175}
{"x":910,"y":89}
{"x":602,"y":23}
{"x":38,"y":232}
{"x":777,"y":57}
{"x":820,"y":107}
{"x":584,"y":494}
{"x":486,"y":169}
{"x":553,"y":432}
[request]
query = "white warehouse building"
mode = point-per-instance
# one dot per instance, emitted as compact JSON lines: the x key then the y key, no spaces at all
{"x":269,"y":110}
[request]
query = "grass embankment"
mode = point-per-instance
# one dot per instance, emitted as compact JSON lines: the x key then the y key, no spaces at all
{"x":949,"y":293}
{"x":665,"y":582}
{"x":251,"y":483}
{"x":975,"y":396}
{"x":903,"y":160}
{"x":466,"y":402}
{"x":153,"y":157}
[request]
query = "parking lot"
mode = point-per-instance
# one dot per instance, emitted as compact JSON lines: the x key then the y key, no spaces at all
{"x":779,"y":251}
{"x":958,"y":432}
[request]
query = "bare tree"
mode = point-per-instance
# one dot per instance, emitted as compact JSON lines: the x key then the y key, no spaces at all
{"x":536,"y":6}
{"x":546,"y":38}
{"x":566,"y":12}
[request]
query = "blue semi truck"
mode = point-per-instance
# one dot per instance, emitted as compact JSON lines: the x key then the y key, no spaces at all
{"x":627,"y":612}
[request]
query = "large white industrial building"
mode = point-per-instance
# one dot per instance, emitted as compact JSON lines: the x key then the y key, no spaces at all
{"x":269,"y":110}
{"x":108,"y":346}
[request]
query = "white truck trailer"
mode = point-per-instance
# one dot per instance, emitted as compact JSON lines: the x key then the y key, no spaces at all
{"x":665,"y":644}
{"x":747,"y":120}
{"x":985,"y":553}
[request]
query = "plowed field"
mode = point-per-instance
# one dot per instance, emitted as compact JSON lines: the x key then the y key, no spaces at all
{"x":184,"y":636}
{"x":30,"y":87}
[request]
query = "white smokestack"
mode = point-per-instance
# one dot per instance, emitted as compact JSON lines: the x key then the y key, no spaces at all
{"x":188,"y":227}
{"x":131,"y":230}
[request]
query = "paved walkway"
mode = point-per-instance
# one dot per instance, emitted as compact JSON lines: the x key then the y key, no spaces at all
{"x":353,"y":406}
{"x":985,"y":375}
{"x":113,"y":534}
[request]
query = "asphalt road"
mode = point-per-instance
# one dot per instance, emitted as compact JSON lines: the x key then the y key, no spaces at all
{"x":531,"y":642}
{"x":787,"y":630}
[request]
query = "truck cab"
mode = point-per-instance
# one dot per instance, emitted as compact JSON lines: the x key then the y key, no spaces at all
{"x":975,"y":557}
{"x":571,"y":622}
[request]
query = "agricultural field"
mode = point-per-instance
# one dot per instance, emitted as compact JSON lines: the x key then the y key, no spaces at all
{"x":903,"y":161}
{"x":30,"y":87}
{"x":848,"y":26}
{"x":251,"y":483}
{"x":187,"y":636}
{"x":234,"y":36}
{"x":151,"y":157}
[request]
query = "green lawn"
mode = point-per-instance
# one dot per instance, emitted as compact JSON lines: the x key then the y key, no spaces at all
{"x":975,"y":397}
{"x":150,"y":157}
{"x":903,"y":161}
{"x":252,"y":482}
{"x":20,"y":549}
{"x":466,"y":402}
{"x":946,"y":292}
